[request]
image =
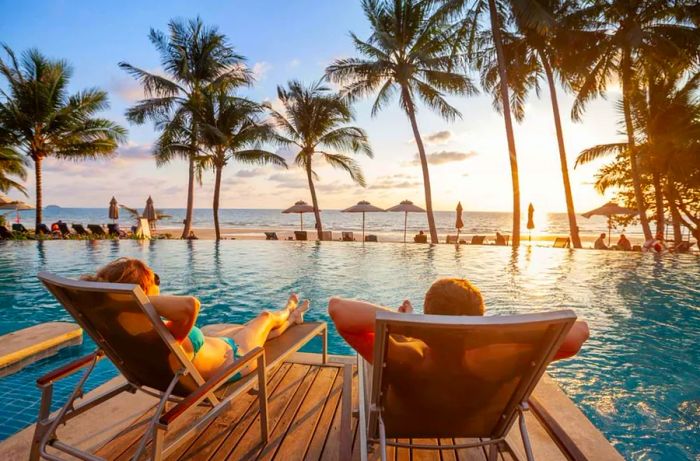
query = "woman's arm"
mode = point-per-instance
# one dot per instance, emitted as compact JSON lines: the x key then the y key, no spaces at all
{"x":179,"y":311}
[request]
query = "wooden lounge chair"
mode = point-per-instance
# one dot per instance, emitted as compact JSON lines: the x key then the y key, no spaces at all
{"x":43,"y":229}
{"x":5,"y":233}
{"x":271,"y":236}
{"x":97,"y":230}
{"x":504,"y":242}
{"x":348,"y":237}
{"x":418,"y":238}
{"x":79,"y":229}
{"x":478,"y":381}
{"x":63,"y":227}
{"x":151,"y":361}
{"x":562,"y":242}
{"x":19,"y":228}
{"x":478,"y":239}
{"x":327,"y":235}
{"x":371,"y":238}
{"x":451,"y":239}
{"x":301,"y":235}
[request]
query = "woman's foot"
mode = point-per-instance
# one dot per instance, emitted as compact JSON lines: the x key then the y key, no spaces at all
{"x":297,"y":317}
{"x":292,"y":303}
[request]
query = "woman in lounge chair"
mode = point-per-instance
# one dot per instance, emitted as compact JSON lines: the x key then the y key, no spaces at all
{"x":355,"y":319}
{"x":208,"y":353}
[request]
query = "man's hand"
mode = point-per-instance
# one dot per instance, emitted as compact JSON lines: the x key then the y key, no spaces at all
{"x":406,"y":307}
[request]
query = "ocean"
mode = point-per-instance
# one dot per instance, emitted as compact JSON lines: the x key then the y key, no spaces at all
{"x":546,"y":224}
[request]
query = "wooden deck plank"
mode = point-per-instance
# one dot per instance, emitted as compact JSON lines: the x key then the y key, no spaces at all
{"x":425,"y":454}
{"x":210,"y":439}
{"x":325,"y":422}
{"x":469,"y":454}
{"x":120,"y":444}
{"x":245,"y":439}
{"x":285,"y":421}
{"x":543,"y":447}
{"x":447,"y":455}
{"x":302,"y":428}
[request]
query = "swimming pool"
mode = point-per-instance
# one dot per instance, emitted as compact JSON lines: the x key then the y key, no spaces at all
{"x":637,"y":379}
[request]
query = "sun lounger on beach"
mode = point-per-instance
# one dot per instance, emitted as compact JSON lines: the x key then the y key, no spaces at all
{"x":114,"y":230}
{"x":348,"y":237}
{"x":503,"y":241}
{"x":5,"y":233}
{"x":19,"y":228}
{"x":420,"y":238}
{"x":43,"y":229}
{"x":79,"y":229}
{"x":97,"y":230}
{"x":371,"y":238}
{"x":478,"y":239}
{"x":327,"y":235}
{"x":141,"y":347}
{"x":474,"y":385}
{"x":271,"y":236}
{"x":63,"y":227}
{"x":301,"y":235}
{"x":561,"y":242}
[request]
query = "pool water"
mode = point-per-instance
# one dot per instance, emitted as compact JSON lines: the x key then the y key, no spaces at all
{"x":637,"y":378}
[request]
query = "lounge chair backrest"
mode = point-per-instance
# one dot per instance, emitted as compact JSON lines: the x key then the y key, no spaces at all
{"x":5,"y":233}
{"x":370,"y":238}
{"x":63,"y":227}
{"x":301,"y":235}
{"x":348,"y":237}
{"x":17,"y":227}
{"x":478,"y":239}
{"x":96,"y":229}
{"x":44,"y":229}
{"x":271,"y":236}
{"x":451,"y":239}
{"x":79,"y":229}
{"x":113,"y":228}
{"x":469,"y":375}
{"x":123,"y":323}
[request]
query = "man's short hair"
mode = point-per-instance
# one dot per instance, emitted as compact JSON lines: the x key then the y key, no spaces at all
{"x":453,"y":296}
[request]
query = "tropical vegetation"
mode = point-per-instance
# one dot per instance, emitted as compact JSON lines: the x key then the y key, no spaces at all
{"x":409,"y":52}
{"x":195,"y":58}
{"x":41,"y":119}
{"x":314,"y":122}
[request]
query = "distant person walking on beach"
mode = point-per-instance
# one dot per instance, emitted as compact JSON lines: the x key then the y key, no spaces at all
{"x":624,"y":243}
{"x":600,"y":243}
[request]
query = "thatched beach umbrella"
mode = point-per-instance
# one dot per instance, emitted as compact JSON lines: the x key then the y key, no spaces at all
{"x":300,"y":207}
{"x":459,"y":224}
{"x":363,"y":207}
{"x":530,"y":220}
{"x":150,"y":213}
{"x":610,"y":209}
{"x":406,"y":207}
{"x":113,"y":210}
{"x":6,"y":203}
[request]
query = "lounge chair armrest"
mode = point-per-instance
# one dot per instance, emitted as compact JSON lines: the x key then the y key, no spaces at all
{"x":213,"y":383}
{"x":69,"y":369}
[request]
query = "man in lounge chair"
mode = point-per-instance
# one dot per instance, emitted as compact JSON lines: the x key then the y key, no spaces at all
{"x":355,"y":320}
{"x":207,"y":353}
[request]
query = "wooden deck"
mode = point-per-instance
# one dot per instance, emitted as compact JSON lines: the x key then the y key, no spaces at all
{"x":305,"y":408}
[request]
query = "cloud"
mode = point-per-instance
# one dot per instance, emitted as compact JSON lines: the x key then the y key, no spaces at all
{"x":437,"y":138}
{"x":126,"y":89}
{"x":397,"y":181}
{"x":289,"y":181}
{"x":443,"y":157}
{"x":294,"y":63}
{"x":249,"y":173}
{"x":136,"y":151}
{"x":260,"y":70}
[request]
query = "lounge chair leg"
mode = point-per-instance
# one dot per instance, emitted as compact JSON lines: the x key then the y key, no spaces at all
{"x":382,"y":439}
{"x":493,"y":452}
{"x":158,"y":444}
{"x":262,"y":397}
{"x":325,"y":345}
{"x":41,"y":422}
{"x":523,"y":432}
{"x":153,"y":429}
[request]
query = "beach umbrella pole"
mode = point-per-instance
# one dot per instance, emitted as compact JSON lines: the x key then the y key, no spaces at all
{"x":405,"y":221}
{"x":301,"y":220}
{"x":363,"y":226}
{"x":609,"y":228}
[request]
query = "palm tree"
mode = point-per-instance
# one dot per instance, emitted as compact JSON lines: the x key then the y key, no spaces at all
{"x":409,"y":52}
{"x":232,"y":130}
{"x":314,"y":121}
{"x":531,"y":55}
{"x":43,"y":120}
{"x":12,"y":163}
{"x":630,"y":38}
{"x":193,"y":56}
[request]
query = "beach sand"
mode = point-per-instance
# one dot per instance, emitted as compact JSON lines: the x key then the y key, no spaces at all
{"x":396,"y":237}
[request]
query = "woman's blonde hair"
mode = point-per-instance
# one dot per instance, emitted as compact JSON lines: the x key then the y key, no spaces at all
{"x":125,"y":270}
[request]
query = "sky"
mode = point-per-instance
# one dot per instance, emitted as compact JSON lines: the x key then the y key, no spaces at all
{"x":285,"y":40}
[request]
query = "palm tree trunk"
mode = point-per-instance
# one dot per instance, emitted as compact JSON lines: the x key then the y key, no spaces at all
{"x":424,"y":164}
{"x":659,"y":200}
{"x":670,"y":193}
{"x":314,"y":200}
{"x":39,"y":195}
{"x":573,"y":226}
{"x":215,"y":205}
{"x":634,"y":165}
{"x":190,"y":200}
{"x":505,"y":102}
